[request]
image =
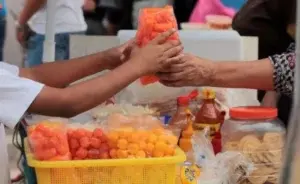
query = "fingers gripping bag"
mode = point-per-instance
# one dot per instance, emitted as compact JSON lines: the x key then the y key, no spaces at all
{"x":48,"y":141}
{"x":152,"y":22}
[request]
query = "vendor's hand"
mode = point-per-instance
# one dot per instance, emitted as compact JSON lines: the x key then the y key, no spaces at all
{"x":157,"y":55}
{"x":189,"y":71}
{"x":118,"y":55}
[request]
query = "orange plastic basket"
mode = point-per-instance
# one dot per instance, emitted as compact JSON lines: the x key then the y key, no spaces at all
{"x":113,"y":171}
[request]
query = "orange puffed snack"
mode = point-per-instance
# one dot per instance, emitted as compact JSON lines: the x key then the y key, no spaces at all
{"x":153,"y":21}
{"x":48,"y":141}
{"x":88,"y":144}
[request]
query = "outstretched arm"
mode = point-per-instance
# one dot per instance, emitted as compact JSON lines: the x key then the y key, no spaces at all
{"x":61,"y":73}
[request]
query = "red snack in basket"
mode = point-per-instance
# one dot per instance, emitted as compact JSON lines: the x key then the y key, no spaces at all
{"x":74,"y":144}
{"x":81,"y":153}
{"x":84,"y":142}
{"x":98,"y":133}
{"x":153,"y":21}
{"x":95,"y":142}
{"x":94,"y":154}
{"x":104,"y":155}
{"x":79,"y":133}
{"x":104,"y":147}
{"x":48,"y":141}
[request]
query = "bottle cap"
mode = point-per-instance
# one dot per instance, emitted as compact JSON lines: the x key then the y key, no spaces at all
{"x":183,"y":100}
{"x":253,"y":113}
{"x":208,"y":94}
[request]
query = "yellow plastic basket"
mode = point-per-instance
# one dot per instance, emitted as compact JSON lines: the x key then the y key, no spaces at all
{"x":113,"y":171}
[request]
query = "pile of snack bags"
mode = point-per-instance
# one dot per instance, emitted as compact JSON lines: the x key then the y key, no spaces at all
{"x":120,"y":137}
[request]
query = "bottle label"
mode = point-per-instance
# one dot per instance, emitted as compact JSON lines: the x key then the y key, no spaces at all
{"x":189,"y":174}
{"x":213,"y":127}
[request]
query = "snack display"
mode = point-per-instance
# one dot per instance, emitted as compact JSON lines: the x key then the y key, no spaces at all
{"x":139,"y":137}
{"x":153,"y":21}
{"x":255,"y":132}
{"x":48,"y":141}
{"x":88,"y":144}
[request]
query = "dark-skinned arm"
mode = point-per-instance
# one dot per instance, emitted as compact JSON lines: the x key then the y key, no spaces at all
{"x":30,"y":8}
{"x":78,"y":98}
{"x":61,"y":73}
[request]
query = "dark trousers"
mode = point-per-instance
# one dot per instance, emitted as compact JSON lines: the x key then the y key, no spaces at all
{"x":2,"y":35}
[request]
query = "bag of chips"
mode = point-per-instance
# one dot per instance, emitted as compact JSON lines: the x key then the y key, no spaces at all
{"x":152,"y":22}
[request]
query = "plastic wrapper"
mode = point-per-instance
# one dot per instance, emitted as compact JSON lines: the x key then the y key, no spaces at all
{"x":152,"y":22}
{"x":139,"y":137}
{"x":103,"y":111}
{"x":223,"y":168}
{"x":48,"y":141}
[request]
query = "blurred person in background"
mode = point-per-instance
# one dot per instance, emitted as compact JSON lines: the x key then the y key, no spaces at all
{"x":94,"y":15}
{"x":116,"y":13}
{"x":69,"y":20}
{"x":273,"y":22}
{"x":3,"y":12}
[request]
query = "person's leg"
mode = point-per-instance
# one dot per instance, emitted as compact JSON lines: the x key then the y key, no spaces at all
{"x":34,"y":50}
{"x":62,"y":45}
{"x":2,"y":35}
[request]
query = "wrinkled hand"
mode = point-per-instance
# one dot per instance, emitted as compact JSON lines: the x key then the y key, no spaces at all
{"x":118,"y":55}
{"x":157,"y":55}
{"x":189,"y":71}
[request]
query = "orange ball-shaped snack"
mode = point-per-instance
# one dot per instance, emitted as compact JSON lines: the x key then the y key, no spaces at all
{"x":122,"y":144}
{"x":141,"y":154}
{"x":74,"y":143}
{"x":160,"y":146}
{"x":95,"y":142}
{"x":84,"y":142}
{"x":81,"y":153}
{"x":122,"y":153}
{"x":152,"y":138}
{"x":150,"y":148}
{"x":79,"y":133}
{"x":133,"y":148}
{"x":104,"y":155}
{"x":113,"y":136}
{"x":157,"y":153}
{"x":98,"y":133}
{"x":169,"y":151}
{"x":104,"y":147}
{"x":93,"y":154}
{"x":113,"y":153}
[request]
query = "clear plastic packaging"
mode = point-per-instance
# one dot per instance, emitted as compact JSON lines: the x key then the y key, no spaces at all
{"x":139,"y":137}
{"x":259,"y":135}
{"x":152,"y":22}
{"x":223,"y":168}
{"x":48,"y":141}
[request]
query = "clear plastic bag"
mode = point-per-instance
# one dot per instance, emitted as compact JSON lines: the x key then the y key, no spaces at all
{"x":139,"y":137}
{"x":223,"y":168}
{"x":48,"y":141}
{"x":152,"y":22}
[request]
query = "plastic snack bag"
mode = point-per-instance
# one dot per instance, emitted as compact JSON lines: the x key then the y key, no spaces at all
{"x":48,"y":141}
{"x":153,"y":21}
{"x":223,"y":168}
{"x":138,"y":137}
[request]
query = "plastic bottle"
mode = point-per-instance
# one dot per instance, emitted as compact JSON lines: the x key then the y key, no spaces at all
{"x":209,"y":113}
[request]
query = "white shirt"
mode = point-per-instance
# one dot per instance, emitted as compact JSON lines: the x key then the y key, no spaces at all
{"x":68,"y":18}
{"x":16,"y":95}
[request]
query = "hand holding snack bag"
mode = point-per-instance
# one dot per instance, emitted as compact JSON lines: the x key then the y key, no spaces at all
{"x":152,"y":22}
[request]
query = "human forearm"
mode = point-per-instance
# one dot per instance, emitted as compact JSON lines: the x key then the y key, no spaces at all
{"x":248,"y":74}
{"x":85,"y":95}
{"x":65,"y":72}
{"x":30,"y":8}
